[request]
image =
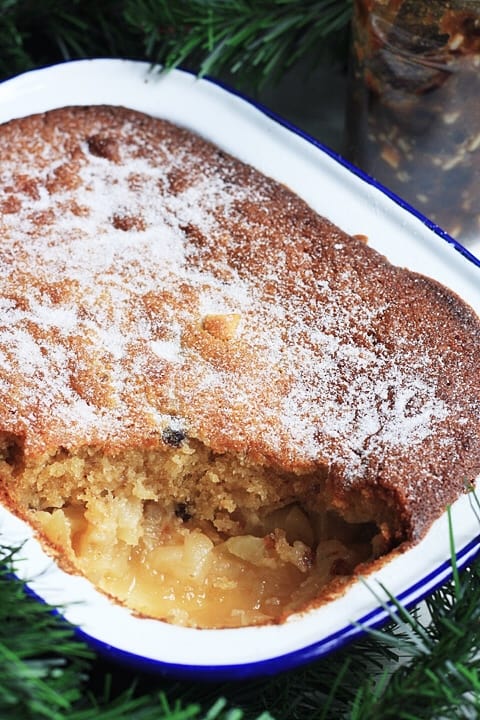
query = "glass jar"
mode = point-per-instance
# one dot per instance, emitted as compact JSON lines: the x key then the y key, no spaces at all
{"x":413,"y":119}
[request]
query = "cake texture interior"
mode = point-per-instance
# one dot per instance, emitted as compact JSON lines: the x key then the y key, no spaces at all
{"x":214,"y":403}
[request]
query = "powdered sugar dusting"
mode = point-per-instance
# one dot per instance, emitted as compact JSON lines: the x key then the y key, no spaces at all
{"x":115,"y":249}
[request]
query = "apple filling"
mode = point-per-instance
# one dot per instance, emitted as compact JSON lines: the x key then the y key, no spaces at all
{"x":194,"y":538}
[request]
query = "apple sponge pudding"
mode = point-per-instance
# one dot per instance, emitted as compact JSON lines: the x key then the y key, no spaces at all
{"x":214,"y":403}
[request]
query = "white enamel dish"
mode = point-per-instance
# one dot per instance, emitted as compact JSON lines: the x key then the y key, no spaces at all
{"x":354,"y":202}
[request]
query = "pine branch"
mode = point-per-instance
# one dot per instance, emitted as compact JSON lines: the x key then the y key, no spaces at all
{"x":33,"y":34}
{"x":257,"y":39}
{"x":33,"y":678}
{"x":440,"y":674}
{"x":439,"y":677}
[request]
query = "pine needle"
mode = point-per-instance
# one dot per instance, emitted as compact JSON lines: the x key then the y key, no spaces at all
{"x":439,"y":673}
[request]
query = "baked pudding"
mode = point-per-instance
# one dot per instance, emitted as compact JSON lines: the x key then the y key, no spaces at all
{"x":215,"y":404}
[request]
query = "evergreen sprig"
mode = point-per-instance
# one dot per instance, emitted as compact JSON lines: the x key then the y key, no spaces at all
{"x":250,"y":39}
{"x":247,"y":38}
{"x":34,"y":34}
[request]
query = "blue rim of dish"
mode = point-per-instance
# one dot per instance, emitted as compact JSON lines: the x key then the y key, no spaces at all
{"x":294,"y":659}
{"x":376,"y":617}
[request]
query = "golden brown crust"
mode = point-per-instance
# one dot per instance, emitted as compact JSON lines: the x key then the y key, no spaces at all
{"x":123,"y":236}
